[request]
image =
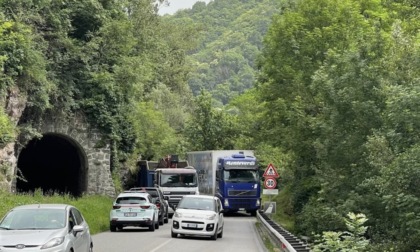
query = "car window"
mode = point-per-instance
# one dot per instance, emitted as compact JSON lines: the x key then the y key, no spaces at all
{"x":34,"y":219}
{"x":77,"y":216}
{"x":131,"y":200}
{"x":197,"y":203}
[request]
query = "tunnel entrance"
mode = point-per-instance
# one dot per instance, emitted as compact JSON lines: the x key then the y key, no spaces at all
{"x":55,"y":163}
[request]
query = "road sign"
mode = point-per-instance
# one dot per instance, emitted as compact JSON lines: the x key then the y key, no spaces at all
{"x":270,"y":172}
{"x":270,"y":191}
{"x":270,"y":183}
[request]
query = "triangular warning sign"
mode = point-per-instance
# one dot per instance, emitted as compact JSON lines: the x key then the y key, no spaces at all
{"x":271,"y":172}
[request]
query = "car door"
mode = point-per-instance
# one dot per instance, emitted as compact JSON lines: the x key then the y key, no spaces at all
{"x":81,"y":239}
{"x":219,"y":209}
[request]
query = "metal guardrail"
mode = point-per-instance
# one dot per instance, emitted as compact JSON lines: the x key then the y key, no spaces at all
{"x":288,"y":241}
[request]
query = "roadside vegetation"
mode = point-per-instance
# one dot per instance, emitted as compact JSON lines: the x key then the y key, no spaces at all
{"x":328,"y":91}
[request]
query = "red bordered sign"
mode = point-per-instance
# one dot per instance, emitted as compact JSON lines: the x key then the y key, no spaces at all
{"x":270,"y":183}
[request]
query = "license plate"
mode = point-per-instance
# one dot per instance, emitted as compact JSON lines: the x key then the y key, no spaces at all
{"x":130,"y":214}
{"x":192,"y":225}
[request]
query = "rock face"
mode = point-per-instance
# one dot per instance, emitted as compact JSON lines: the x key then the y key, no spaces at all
{"x":14,"y":104}
{"x":95,"y":154}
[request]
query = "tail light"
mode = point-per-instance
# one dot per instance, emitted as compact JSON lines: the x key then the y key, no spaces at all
{"x":158,"y":205}
{"x":145,"y":207}
{"x":116,"y":207}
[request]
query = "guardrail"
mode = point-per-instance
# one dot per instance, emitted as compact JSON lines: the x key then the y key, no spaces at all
{"x":286,"y":240}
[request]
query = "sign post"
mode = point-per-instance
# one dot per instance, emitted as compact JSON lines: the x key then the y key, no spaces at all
{"x":270,"y":182}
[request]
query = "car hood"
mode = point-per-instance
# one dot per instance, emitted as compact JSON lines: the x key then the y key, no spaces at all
{"x":32,"y":237}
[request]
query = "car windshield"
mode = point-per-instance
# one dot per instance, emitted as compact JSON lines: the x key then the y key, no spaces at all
{"x":240,"y":175}
{"x":179,"y":180}
{"x":131,"y":200}
{"x":197,"y":203}
{"x":34,"y":219}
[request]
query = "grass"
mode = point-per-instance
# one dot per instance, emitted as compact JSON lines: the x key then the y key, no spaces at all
{"x":95,"y":208}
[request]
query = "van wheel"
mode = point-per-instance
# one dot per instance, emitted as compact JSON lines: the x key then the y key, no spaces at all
{"x":220,"y":235}
{"x":214,"y":237}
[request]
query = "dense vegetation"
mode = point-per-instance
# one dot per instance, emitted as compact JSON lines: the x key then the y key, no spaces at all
{"x":325,"y":90}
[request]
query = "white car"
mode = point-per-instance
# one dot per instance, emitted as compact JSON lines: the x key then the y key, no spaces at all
{"x":45,"y":227}
{"x":136,"y":209}
{"x":198,"y":215}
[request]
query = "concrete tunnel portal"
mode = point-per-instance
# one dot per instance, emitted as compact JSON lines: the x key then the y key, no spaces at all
{"x":54,"y":163}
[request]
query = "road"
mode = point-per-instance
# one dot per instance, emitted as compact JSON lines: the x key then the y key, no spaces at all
{"x":239,"y":234}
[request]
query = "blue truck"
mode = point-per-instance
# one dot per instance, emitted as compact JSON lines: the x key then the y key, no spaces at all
{"x":231,"y":175}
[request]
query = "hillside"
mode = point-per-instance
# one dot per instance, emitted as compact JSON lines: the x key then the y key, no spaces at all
{"x":230,"y":37}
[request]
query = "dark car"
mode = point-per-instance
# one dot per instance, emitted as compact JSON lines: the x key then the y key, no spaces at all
{"x":161,"y":201}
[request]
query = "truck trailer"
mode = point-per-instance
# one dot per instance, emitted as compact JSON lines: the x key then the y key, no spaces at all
{"x":231,"y":175}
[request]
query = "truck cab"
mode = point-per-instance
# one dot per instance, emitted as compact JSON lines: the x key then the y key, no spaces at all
{"x":238,"y":183}
{"x":175,"y":180}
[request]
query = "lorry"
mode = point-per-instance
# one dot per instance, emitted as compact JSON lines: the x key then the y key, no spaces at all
{"x":174,"y":178}
{"x":231,"y":175}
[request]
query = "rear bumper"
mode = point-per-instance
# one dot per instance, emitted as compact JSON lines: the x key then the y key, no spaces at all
{"x":131,"y":223}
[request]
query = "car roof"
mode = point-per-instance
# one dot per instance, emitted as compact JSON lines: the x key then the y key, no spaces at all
{"x":43,"y":206}
{"x":143,"y":188}
{"x":200,"y":196}
{"x":135,"y":193}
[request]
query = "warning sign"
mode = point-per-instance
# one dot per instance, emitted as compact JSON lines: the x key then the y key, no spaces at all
{"x":270,"y":172}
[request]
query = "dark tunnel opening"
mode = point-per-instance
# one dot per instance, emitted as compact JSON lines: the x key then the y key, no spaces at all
{"x":54,"y":164}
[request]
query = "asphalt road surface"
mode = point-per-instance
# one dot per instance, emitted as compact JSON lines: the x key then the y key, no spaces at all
{"x":239,"y":235}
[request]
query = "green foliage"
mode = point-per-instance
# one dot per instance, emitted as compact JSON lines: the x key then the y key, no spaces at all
{"x":230,"y":38}
{"x":351,"y":240}
{"x":210,"y":128}
{"x":7,"y":129}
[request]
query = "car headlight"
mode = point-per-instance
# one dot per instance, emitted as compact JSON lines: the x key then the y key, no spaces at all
{"x":53,"y":242}
{"x":210,"y":217}
{"x":177,"y":215}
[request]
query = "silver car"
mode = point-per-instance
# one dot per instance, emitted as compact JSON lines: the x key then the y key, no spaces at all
{"x":45,"y":227}
{"x":134,"y":209}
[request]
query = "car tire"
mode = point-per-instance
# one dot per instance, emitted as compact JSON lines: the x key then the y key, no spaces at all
{"x":214,"y":237}
{"x":157,"y":225}
{"x":162,"y":220}
{"x":166,"y":220}
{"x":174,"y":235}
{"x":220,"y":235}
{"x":113,"y":228}
{"x":152,"y":227}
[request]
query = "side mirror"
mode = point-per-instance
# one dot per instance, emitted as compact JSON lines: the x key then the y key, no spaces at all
{"x":77,"y":229}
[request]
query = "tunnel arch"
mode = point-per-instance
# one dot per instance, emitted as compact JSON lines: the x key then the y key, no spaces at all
{"x":55,"y":163}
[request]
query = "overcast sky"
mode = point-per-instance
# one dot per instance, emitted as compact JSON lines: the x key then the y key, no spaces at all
{"x":175,"y":5}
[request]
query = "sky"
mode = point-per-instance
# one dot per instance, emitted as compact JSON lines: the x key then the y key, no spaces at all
{"x":175,"y":5}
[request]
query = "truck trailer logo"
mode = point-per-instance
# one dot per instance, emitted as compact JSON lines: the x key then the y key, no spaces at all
{"x":240,"y":163}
